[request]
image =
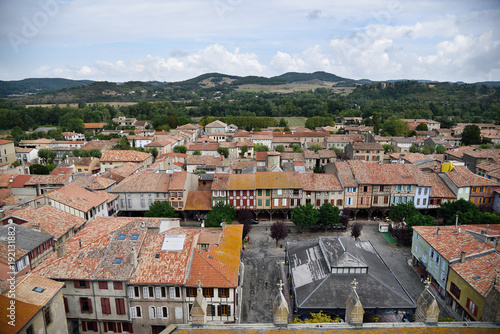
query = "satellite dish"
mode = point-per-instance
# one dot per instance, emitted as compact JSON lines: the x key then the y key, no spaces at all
{"x":10,"y":221}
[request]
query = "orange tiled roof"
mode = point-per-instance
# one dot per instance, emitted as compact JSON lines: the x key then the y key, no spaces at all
{"x":320,"y":182}
{"x":4,"y":252}
{"x":480,"y":272}
{"x":241,"y":182}
{"x":24,"y":313}
{"x":271,"y":180}
{"x":199,"y":201}
{"x":25,"y":293}
{"x":3,"y":141}
{"x":463,"y":177}
{"x":171,"y":267}
{"x":94,"y":125}
{"x":345,"y":174}
{"x":85,"y":251}
{"x":144,"y":182}
{"x":219,"y":266}
{"x":177,"y":181}
{"x":438,"y":188}
{"x":76,"y":197}
{"x":47,"y":179}
{"x":124,"y":155}
{"x":220,"y":181}
{"x":451,"y":241}
{"x":50,"y":220}
{"x":7,"y":198}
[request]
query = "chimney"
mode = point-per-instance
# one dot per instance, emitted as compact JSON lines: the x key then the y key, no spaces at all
{"x":80,"y":242}
{"x":495,"y":243}
{"x":61,"y":250}
{"x":133,"y":257}
{"x":437,"y":232}
{"x":462,"y":256}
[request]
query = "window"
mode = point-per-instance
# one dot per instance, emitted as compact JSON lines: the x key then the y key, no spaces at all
{"x":66,"y":306}
{"x":117,"y":285}
{"x":175,"y":292}
{"x":29,"y":330}
{"x":103,"y":285}
{"x":268,"y":192}
{"x":276,"y":202}
{"x":418,"y":201}
{"x":162,"y":312}
{"x":133,"y":291}
{"x":117,"y":260}
{"x":134,"y":236}
{"x":85,"y":305}
{"x":143,"y":202}
{"x":424,"y":202}
{"x":223,"y":293}
{"x":82,"y":284}
{"x":127,"y":327}
{"x":259,"y":192}
{"x":349,"y":201}
{"x":89,"y":326}
{"x":210,"y":310}
{"x":284,"y":201}
{"x":259,"y":202}
{"x":129,"y":203}
{"x":455,"y":290}
{"x":339,"y":202}
{"x":105,"y":306}
{"x":471,"y":307}
{"x":120,"y":305}
{"x":224,"y":310}
{"x":135,"y":312}
{"x":47,"y":316}
{"x":208,"y":292}
{"x":280,"y":192}
{"x":268,"y":202}
{"x":152,"y":312}
{"x":191,"y":292}
{"x":178,"y":312}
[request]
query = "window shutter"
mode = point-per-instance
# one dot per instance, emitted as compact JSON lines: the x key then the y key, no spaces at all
{"x":172,"y":292}
{"x":118,"y":327}
{"x":145,"y":292}
{"x":178,"y":312}
{"x":105,"y":326}
{"x":133,"y":313}
{"x":228,"y":310}
{"x":131,"y":291}
{"x":159,"y":313}
{"x":114,"y":327}
{"x":152,"y":312}
{"x":90,"y":305}
{"x":84,"y":326}
{"x":157,"y":292}
{"x":75,"y":283}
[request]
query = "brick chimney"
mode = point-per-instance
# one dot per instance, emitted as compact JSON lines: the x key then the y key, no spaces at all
{"x":462,"y":256}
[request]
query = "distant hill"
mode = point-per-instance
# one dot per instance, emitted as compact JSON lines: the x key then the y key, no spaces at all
{"x":38,"y":85}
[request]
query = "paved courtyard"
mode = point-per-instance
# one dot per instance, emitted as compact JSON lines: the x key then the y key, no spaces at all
{"x":262,"y":260}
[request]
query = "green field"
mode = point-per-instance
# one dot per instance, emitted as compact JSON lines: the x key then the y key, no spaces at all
{"x":294,"y":121}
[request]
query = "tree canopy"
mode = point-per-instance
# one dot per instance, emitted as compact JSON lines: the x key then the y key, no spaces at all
{"x":279,"y":231}
{"x":304,"y":215}
{"x":220,"y":213}
{"x":471,"y":135}
{"x":161,"y":209}
{"x":329,"y":215}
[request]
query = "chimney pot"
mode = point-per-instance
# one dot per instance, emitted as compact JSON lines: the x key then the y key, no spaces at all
{"x":462,"y":256}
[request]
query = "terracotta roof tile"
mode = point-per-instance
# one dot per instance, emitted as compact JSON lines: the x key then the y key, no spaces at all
{"x":199,"y":201}
{"x":219,"y":266}
{"x":24,"y":313}
{"x":48,"y":179}
{"x":49,"y":219}
{"x":25,"y":293}
{"x":320,"y":182}
{"x":177,"y":181}
{"x":144,"y":182}
{"x":76,"y":197}
{"x":451,"y":241}
{"x":124,"y":155}
{"x":463,"y":177}
{"x":94,"y":125}
{"x":272,"y":180}
{"x":480,"y":273}
{"x":241,"y":182}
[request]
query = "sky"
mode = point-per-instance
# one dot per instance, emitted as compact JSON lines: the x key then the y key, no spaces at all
{"x":167,"y":40}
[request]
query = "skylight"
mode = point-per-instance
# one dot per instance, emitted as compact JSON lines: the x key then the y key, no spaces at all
{"x":476,"y":277}
{"x":134,"y":236}
{"x":122,"y":236}
{"x":117,"y":260}
{"x":37,"y":289}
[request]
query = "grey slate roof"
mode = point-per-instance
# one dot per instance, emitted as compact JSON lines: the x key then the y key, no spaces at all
{"x":316,"y":287}
{"x":27,"y":238}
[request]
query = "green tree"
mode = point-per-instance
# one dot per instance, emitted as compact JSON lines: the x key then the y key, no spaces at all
{"x":161,"y":209}
{"x":280,"y":148}
{"x":39,"y":169}
{"x":471,"y":135}
{"x":243,"y":151}
{"x":153,"y":151}
{"x":180,"y":149}
{"x":316,"y":148}
{"x":468,"y":212}
{"x":47,"y":156}
{"x":304,"y":215}
{"x":428,"y":149}
{"x":296,"y":148}
{"x":220,"y":213}
{"x":196,"y":152}
{"x":260,"y":148}
{"x":329,"y":215}
{"x":388,"y":148}
{"x":123,"y":144}
{"x":422,"y":127}
{"x":223,"y":151}
{"x":283,"y":123}
{"x":402,"y":211}
{"x":440,"y":149}
{"x":414,"y":149}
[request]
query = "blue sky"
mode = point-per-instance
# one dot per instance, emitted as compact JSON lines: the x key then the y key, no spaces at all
{"x":166,"y":40}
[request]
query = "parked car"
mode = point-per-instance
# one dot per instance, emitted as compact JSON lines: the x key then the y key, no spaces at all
{"x":254,"y":221}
